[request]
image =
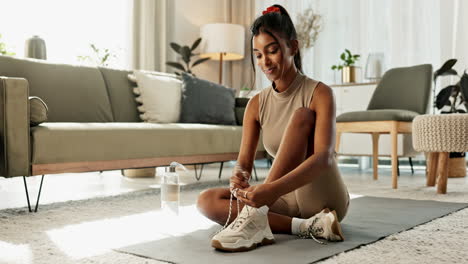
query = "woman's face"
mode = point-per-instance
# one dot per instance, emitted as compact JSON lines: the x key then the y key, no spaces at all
{"x":270,"y":57}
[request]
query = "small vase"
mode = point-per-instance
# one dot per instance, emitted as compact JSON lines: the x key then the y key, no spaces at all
{"x":35,"y":48}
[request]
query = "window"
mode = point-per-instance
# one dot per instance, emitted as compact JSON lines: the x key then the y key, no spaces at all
{"x":69,"y":27}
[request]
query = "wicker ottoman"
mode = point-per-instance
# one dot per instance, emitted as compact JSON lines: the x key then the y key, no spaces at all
{"x":439,"y":135}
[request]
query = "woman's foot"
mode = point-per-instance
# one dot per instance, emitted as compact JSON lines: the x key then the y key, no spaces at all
{"x":246,"y":232}
{"x":322,"y":225}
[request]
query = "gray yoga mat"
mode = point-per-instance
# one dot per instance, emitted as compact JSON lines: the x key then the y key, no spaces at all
{"x":369,"y":219}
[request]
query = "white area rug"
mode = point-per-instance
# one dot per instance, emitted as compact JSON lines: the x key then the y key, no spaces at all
{"x":86,"y":231}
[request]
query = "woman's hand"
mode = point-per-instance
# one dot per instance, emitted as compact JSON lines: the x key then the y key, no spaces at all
{"x":258,"y":195}
{"x":239,"y":179}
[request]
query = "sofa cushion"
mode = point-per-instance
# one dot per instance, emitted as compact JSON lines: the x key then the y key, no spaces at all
{"x":206,"y":102}
{"x":75,"y":142}
{"x":73,"y":93}
{"x":159,"y":96}
{"x":37,"y":111}
{"x":119,"y":88}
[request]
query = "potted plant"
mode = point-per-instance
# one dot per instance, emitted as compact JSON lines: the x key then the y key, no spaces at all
{"x":3,"y":50}
{"x":453,"y":99}
{"x":100,"y":57}
{"x":186,"y":54}
{"x":348,"y":70}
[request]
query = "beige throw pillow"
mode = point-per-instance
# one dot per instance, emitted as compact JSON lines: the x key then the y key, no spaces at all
{"x":159,"y":96}
{"x":38,"y":111}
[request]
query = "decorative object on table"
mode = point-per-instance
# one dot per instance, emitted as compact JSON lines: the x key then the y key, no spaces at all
{"x":206,"y":102}
{"x":223,"y":42}
{"x":100,"y":57}
{"x":35,"y":47}
{"x":440,"y":135}
{"x":159,"y":97}
{"x":309,"y":25}
{"x":348,"y":68}
{"x":3,"y":49}
{"x":453,"y":99}
{"x":374,"y":66}
{"x":186,"y":54}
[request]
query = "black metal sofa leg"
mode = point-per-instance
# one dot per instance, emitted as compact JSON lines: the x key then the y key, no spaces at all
{"x":38,"y":194}
{"x":198,"y":175}
{"x":411,"y":164}
{"x":220,"y":170}
{"x":255,"y":172}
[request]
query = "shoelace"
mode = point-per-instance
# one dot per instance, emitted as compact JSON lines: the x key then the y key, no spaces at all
{"x":311,"y":231}
{"x":239,"y":220}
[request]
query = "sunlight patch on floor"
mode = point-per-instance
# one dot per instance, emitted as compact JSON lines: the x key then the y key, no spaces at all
{"x":354,"y":196}
{"x":12,"y":254}
{"x":98,"y":237}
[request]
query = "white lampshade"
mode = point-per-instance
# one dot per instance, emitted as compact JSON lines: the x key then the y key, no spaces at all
{"x":217,"y":38}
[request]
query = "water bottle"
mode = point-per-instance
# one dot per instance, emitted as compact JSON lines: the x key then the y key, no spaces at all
{"x":170,"y":190}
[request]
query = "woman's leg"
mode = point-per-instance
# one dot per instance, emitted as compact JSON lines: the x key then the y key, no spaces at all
{"x":296,"y":145}
{"x":214,"y":204}
{"x":327,"y":189}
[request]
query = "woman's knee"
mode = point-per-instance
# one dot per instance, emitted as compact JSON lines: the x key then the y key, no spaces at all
{"x":303,"y":117}
{"x":207,"y":198}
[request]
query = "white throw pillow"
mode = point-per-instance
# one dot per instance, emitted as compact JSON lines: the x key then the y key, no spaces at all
{"x":159,"y":97}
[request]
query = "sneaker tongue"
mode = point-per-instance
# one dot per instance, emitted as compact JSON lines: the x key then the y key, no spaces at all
{"x":264,"y":209}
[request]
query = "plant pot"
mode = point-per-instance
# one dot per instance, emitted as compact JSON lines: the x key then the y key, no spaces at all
{"x":348,"y":74}
{"x":139,"y":173}
{"x":457,"y":167}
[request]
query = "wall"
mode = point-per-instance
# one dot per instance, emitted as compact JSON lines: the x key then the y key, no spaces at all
{"x":189,"y":16}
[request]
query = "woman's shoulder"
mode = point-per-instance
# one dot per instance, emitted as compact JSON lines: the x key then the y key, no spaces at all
{"x":321,"y":91}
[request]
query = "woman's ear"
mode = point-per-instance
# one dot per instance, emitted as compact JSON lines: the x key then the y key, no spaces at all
{"x":294,"y":47}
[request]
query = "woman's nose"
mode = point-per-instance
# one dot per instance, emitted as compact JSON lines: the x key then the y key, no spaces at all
{"x":266,"y":61}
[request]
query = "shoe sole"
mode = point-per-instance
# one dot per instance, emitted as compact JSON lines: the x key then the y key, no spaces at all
{"x":217,"y":245}
{"x":336,"y":227}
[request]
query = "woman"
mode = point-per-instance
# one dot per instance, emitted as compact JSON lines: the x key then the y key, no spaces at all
{"x":303,"y":193}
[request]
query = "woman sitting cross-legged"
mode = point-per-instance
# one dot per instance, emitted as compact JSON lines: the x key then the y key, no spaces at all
{"x":303,"y":193}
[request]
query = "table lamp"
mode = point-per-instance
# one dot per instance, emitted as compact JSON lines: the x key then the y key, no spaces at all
{"x":223,"y":42}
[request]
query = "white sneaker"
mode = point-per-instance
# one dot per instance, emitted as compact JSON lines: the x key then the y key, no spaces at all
{"x":322,"y":225}
{"x":246,"y":232}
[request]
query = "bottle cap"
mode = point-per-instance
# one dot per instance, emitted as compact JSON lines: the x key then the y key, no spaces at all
{"x":170,"y":169}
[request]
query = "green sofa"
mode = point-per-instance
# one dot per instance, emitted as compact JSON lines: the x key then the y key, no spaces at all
{"x":93,"y":124}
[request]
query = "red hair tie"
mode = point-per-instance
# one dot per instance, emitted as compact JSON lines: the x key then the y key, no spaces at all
{"x":271,"y":9}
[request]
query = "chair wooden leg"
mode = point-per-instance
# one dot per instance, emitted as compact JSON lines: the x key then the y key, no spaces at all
{"x":432,"y":169}
{"x":338,"y":139}
{"x":442,"y":173}
{"x":375,"y":154}
{"x":394,"y":136}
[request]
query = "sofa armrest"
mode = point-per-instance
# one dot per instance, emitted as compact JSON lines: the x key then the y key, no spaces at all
{"x":14,"y":128}
{"x":241,"y":104}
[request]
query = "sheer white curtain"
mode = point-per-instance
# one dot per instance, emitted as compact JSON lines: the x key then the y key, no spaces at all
{"x":152,"y":26}
{"x":407,"y":32}
{"x":239,"y":74}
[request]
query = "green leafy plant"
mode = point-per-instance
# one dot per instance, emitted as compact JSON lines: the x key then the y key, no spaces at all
{"x":348,"y":59}
{"x":453,"y":98}
{"x":100,"y":57}
{"x":186,"y":53}
{"x":3,"y":50}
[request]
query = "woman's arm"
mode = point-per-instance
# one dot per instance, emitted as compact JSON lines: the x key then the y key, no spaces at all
{"x":323,"y":103}
{"x":250,"y":136}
